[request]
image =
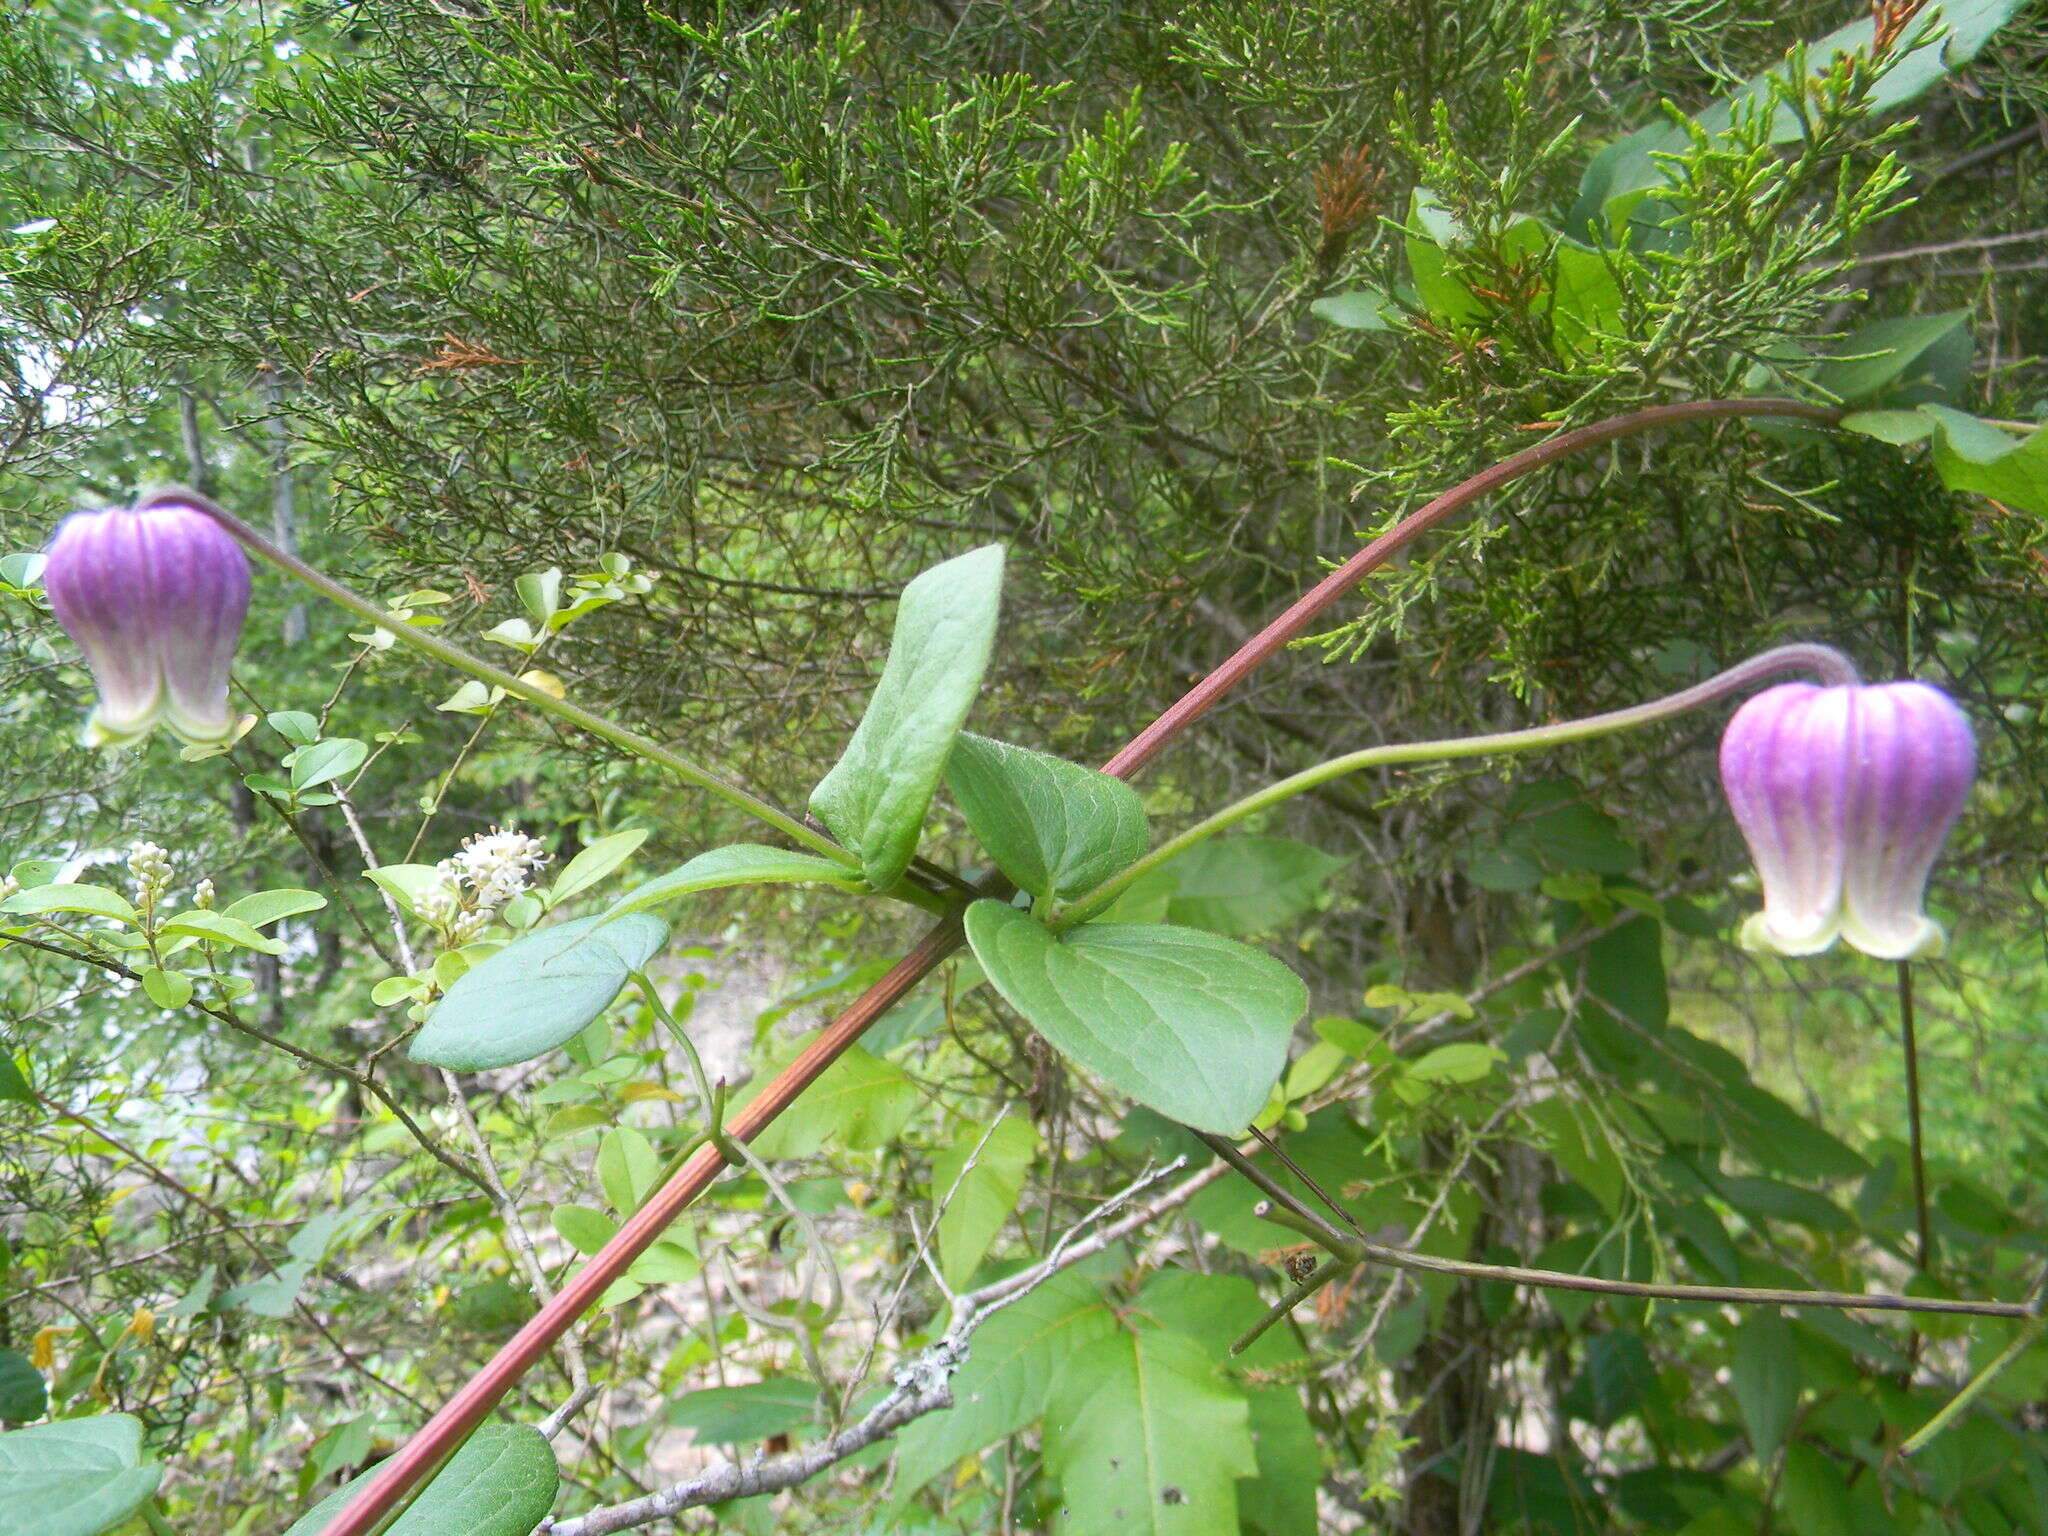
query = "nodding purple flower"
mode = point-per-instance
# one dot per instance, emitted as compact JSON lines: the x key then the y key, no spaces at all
{"x":155,"y":595}
{"x":1845,"y":796}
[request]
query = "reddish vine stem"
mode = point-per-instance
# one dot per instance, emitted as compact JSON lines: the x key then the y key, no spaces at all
{"x":441,"y":1436}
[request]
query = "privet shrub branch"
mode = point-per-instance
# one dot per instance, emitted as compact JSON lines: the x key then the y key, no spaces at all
{"x":1303,"y":1219}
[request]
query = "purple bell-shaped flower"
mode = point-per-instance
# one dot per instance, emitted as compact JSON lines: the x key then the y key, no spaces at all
{"x":155,"y":595}
{"x":1845,"y":795}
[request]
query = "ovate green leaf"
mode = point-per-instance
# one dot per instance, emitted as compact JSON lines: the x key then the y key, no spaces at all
{"x":1147,"y":1439}
{"x":1054,"y":827}
{"x":1247,"y":885}
{"x":738,"y":864}
{"x":860,"y":1102}
{"x":536,"y":992}
{"x":1012,"y":1361}
{"x":597,"y":861}
{"x":1188,"y":1023}
{"x":1765,"y":1373}
{"x":741,"y":1415}
{"x":978,"y":1199}
{"x":876,"y":795}
{"x":76,"y":1477}
{"x":502,"y":1483}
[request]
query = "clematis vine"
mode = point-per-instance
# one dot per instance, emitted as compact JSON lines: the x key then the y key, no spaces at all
{"x":155,"y":595}
{"x":1845,"y":795}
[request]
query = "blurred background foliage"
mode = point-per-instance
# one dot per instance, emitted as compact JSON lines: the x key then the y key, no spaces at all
{"x":747,"y":313}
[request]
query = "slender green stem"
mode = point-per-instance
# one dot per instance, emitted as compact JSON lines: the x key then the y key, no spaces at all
{"x":2029,"y":1334}
{"x":430,"y":644}
{"x":1912,"y":1048}
{"x":153,"y":1517}
{"x":1825,"y":662}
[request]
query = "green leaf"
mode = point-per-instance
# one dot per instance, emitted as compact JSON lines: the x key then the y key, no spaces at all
{"x":1247,"y":885}
{"x":1007,"y":1379}
{"x":627,"y":1166}
{"x":583,"y":1229}
{"x":1899,"y":428}
{"x":502,"y":1483}
{"x":23,"y":1396}
{"x":326,"y":761}
{"x":94,"y":900}
{"x":1972,"y":455}
{"x":219,"y":928}
{"x":1617,"y":1373}
{"x":979,"y":1199}
{"x":1188,"y":1023}
{"x":1362,"y":309}
{"x":1768,"y":1131}
{"x":876,"y":795}
{"x":1147,"y":1439}
{"x":1551,"y":821}
{"x":1776,"y":1201}
{"x":295,"y":726}
{"x":860,"y":1102}
{"x":167,"y":989}
{"x":1054,"y":827}
{"x":405,"y":882}
{"x":259,"y":909}
{"x":1870,"y":360}
{"x":597,"y":861}
{"x":741,"y":1415}
{"x":536,"y":992}
{"x":1764,"y":1369}
{"x":1629,"y":165}
{"x":76,"y":1477}
{"x":737,"y":864}
{"x":540,"y":592}
{"x":13,"y":1086}
{"x":1586,"y":302}
{"x":1464,"y":1061}
{"x":1214,"y":1310}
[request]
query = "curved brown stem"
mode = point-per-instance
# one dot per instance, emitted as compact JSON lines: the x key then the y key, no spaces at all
{"x":428,"y":1449}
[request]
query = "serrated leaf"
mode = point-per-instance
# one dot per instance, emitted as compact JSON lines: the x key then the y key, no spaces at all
{"x":1147,"y":1439}
{"x":502,"y":1483}
{"x":736,"y":864}
{"x":860,"y":1102}
{"x":744,"y":1414}
{"x":219,"y":928}
{"x":94,"y":900}
{"x":875,"y":798}
{"x":76,"y":1477}
{"x":979,"y":1199}
{"x":536,"y":993}
{"x":1764,"y":1370}
{"x":1008,"y":1376}
{"x":326,"y":761}
{"x":1054,"y":827}
{"x":1247,"y":885}
{"x":259,"y":909}
{"x":1188,"y":1023}
{"x":597,"y":861}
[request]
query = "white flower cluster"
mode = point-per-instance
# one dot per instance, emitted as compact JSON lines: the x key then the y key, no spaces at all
{"x":490,"y":870}
{"x":203,"y":895}
{"x":150,"y":864}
